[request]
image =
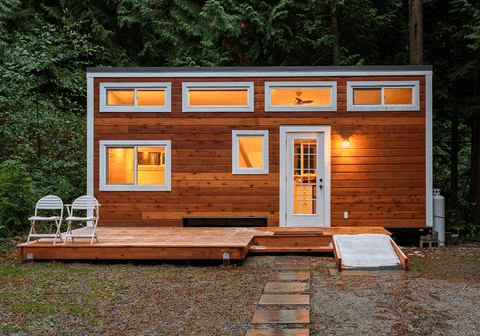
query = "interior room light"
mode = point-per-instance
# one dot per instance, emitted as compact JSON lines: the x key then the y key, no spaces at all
{"x":346,"y":143}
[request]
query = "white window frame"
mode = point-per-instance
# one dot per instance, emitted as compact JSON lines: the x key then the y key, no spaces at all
{"x":187,"y":86}
{"x":414,"y":85}
{"x":103,"y":161}
{"x":104,"y":87}
{"x":300,"y":85}
{"x":236,"y":153}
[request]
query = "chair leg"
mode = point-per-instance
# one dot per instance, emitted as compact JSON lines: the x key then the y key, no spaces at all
{"x":94,"y":233}
{"x":69,"y":230}
{"x":32,"y":230}
{"x":58,"y":233}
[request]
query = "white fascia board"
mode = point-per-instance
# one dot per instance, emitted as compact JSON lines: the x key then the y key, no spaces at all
{"x":90,"y":143}
{"x":429,"y":148}
{"x":257,"y":74}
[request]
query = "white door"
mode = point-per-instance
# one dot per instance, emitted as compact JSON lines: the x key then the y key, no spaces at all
{"x":306,"y":179}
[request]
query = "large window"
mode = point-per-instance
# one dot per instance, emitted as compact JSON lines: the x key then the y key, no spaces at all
{"x":300,"y":96}
{"x":383,"y":96}
{"x":217,"y":97}
{"x":135,"y":165}
{"x":135,"y":97}
{"x":250,"y":152}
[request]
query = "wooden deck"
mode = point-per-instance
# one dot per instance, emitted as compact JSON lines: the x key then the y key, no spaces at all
{"x":185,"y":243}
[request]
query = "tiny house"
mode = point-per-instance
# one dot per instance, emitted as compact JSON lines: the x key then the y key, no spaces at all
{"x":261,"y":146}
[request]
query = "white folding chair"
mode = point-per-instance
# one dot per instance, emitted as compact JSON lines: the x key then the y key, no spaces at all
{"x":87,"y":203}
{"x":52,"y":203}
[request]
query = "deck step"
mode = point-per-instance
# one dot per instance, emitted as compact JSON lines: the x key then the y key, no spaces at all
{"x":267,"y":249}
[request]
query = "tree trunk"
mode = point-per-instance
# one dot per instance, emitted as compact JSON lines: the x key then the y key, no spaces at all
{"x":475,"y":150}
{"x":454,"y":119}
{"x":336,"y":44}
{"x":416,"y":31}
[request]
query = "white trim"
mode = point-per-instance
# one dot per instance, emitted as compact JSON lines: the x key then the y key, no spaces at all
{"x":415,"y":85}
{"x":304,"y":85}
{"x":429,"y":149}
{"x":90,"y":143}
{"x":167,"y":87}
{"x":187,"y":86}
{"x":235,"y":152}
{"x":258,"y":74}
{"x":134,"y":143}
{"x":326,"y":129}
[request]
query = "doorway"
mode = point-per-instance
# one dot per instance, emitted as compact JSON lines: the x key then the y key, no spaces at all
{"x":304,"y":176}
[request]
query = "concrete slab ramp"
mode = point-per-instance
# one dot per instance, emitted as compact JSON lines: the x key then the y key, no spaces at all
{"x":368,"y":251}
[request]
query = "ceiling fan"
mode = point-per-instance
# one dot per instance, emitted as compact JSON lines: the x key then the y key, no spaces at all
{"x":299,"y":101}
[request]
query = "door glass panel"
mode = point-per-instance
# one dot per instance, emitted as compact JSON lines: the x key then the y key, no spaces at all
{"x":151,"y":165}
{"x":304,"y":176}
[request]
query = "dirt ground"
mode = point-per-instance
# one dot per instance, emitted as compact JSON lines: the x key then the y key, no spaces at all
{"x":442,"y":296}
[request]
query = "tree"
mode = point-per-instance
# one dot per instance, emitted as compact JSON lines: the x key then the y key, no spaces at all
{"x":416,"y":31}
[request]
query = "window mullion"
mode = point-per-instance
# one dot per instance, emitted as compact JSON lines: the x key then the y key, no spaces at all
{"x":135,"y":166}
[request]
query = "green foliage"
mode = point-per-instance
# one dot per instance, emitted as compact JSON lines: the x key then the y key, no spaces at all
{"x":42,"y":112}
{"x":18,"y":192}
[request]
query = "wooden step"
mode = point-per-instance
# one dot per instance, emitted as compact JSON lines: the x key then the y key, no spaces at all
{"x":268,"y":249}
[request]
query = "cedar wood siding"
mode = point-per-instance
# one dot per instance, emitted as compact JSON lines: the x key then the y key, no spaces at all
{"x":380,"y":180}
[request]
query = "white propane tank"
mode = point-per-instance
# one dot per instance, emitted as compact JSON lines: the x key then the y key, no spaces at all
{"x":439,"y":216}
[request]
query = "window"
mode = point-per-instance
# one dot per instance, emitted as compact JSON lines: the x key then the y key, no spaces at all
{"x":135,"y":97}
{"x":383,"y":96}
{"x":250,"y":152}
{"x":217,"y":97}
{"x":135,"y":165}
{"x":300,"y":96}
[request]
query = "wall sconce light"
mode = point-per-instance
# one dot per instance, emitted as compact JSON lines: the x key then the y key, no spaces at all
{"x":346,"y":143}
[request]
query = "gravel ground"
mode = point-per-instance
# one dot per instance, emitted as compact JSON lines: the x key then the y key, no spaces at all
{"x":56,"y":298}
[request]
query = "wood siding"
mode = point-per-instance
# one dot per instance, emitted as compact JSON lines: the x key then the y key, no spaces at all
{"x":380,"y":180}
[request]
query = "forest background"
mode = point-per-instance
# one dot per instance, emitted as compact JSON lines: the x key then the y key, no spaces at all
{"x":46,"y":45}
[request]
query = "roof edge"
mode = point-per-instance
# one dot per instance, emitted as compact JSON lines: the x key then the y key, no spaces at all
{"x":178,"y":70}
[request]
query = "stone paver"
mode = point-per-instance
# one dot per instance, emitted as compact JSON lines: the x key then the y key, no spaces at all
{"x":291,"y":276}
{"x":281,"y":316}
{"x":270,"y":299}
{"x":292,"y":258}
{"x":291,"y":266}
{"x":285,"y":287}
{"x":278,"y":332}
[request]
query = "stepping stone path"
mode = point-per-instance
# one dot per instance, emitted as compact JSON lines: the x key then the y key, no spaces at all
{"x":289,"y":293}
